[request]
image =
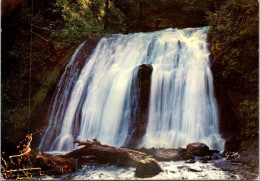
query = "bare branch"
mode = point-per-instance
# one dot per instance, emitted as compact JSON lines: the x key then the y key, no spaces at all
{"x":40,"y":36}
{"x":28,"y":149}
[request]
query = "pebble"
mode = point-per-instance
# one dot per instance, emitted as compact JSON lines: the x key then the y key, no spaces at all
{"x":190,"y":161}
{"x":194,"y":170}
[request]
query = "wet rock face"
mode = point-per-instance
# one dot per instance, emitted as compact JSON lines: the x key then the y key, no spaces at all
{"x":162,"y":154}
{"x":144,"y":79}
{"x":147,"y":168}
{"x":232,"y":144}
{"x":228,"y":100}
{"x":198,"y":149}
{"x":171,"y":154}
{"x":187,"y":156}
{"x":139,"y":116}
{"x":206,"y":157}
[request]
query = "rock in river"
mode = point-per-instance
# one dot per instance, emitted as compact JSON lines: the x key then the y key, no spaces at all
{"x":148,"y":167}
{"x":198,"y":149}
{"x":190,"y":161}
{"x":187,"y":156}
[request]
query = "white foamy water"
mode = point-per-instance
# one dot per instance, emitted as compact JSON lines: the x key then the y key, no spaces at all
{"x":96,"y":103}
{"x":171,"y":171}
{"x":183,"y":108}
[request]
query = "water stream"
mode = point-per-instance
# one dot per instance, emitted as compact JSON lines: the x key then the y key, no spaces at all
{"x":171,"y":171}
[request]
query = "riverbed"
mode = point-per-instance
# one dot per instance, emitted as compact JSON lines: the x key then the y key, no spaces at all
{"x":174,"y":170}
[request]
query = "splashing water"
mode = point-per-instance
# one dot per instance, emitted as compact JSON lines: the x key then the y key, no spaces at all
{"x":97,"y":102}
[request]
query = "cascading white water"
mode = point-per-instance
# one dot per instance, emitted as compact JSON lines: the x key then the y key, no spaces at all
{"x":59,"y":104}
{"x":182,"y":106}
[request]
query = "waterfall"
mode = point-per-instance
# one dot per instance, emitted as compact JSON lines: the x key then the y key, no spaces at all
{"x":104,"y":100}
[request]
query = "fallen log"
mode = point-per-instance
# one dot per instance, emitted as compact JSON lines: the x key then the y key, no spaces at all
{"x":26,"y":173}
{"x":106,"y":154}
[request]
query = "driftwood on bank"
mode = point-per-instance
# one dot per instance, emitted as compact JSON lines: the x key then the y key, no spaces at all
{"x":53,"y":165}
{"x":27,"y":173}
{"x":106,"y":154}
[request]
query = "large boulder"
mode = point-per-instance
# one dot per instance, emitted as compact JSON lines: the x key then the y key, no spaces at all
{"x":198,"y":149}
{"x":148,"y":167}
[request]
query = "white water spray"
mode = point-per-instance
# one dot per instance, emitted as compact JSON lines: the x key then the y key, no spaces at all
{"x":182,"y":106}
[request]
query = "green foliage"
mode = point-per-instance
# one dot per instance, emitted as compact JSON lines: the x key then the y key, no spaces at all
{"x":37,"y":55}
{"x":84,"y":18}
{"x":248,"y":112}
{"x":80,"y":19}
{"x":234,"y":47}
{"x":234,"y":42}
{"x":142,"y":15}
{"x":116,"y":20}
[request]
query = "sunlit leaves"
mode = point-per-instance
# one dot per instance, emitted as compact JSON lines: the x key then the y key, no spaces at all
{"x":234,"y":45}
{"x":234,"y":36}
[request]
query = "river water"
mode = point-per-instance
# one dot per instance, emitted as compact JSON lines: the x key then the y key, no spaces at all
{"x":172,"y":170}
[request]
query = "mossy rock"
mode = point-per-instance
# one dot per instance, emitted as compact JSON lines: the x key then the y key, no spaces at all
{"x":148,"y":167}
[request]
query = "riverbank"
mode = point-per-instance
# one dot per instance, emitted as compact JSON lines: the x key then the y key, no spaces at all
{"x":97,"y":161}
{"x":247,"y":165}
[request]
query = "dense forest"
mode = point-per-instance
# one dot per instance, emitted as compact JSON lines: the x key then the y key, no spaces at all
{"x":39,"y":36}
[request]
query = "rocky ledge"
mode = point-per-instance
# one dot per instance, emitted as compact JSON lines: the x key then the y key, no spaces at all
{"x":244,"y":162}
{"x":171,"y":154}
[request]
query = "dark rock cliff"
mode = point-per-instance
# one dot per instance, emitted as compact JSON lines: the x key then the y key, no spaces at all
{"x":139,"y":118}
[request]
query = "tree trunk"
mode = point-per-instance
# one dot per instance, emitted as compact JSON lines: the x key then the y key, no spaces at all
{"x":106,"y":15}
